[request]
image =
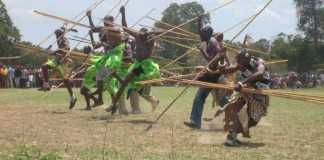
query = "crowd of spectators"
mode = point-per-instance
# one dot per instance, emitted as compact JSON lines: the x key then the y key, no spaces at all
{"x":295,"y":80}
{"x":19,"y":76}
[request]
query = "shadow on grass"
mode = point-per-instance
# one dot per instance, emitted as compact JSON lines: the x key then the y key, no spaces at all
{"x":248,"y":145}
{"x":59,"y":112}
{"x":111,"y":119}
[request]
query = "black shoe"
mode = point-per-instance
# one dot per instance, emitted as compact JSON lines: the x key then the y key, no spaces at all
{"x":114,"y":109}
{"x":72,"y":103}
{"x":191,"y":125}
{"x":232,"y":141}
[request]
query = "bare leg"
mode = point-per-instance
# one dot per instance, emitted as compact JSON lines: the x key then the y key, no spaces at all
{"x":72,"y":97}
{"x":99,"y":92}
{"x":214,"y":95}
{"x":236,"y":127}
{"x":154,"y":101}
{"x":122,"y":105}
{"x":134,"y":101}
{"x":113,"y":108}
{"x":85,"y":93}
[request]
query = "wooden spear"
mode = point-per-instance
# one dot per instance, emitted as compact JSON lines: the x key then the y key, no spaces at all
{"x":92,"y":7}
{"x":191,"y":20}
{"x":251,"y":21}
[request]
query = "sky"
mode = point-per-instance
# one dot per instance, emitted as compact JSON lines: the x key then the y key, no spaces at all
{"x":279,"y":17}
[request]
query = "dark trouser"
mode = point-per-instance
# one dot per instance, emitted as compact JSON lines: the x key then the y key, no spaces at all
{"x":198,"y":105}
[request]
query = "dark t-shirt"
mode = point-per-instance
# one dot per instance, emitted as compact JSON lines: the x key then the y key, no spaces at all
{"x":18,"y":73}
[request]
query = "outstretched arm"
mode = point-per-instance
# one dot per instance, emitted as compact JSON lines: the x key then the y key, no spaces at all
{"x":230,"y":69}
{"x":132,"y":32}
{"x":256,"y":76}
{"x":93,"y":29}
{"x":124,"y":23}
{"x":92,"y":25}
{"x":122,"y":11}
{"x":90,"y":19}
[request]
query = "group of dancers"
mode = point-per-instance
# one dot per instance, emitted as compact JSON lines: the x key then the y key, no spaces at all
{"x":127,"y":59}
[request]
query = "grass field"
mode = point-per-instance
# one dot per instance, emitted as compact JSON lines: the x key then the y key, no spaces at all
{"x":36,"y":126}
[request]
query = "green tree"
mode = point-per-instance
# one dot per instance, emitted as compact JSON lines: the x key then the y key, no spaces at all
{"x":32,"y":57}
{"x":8,"y":33}
{"x":264,"y":46}
{"x":299,"y":51}
{"x":309,"y":18}
{"x":177,"y":14}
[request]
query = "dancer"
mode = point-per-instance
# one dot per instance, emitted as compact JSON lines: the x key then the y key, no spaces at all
{"x":246,"y":110}
{"x":57,"y":63}
{"x":213,"y":51}
{"x":144,"y":68}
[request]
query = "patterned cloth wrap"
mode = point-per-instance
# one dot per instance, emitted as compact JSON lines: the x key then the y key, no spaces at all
{"x":150,"y":70}
{"x":113,"y":61}
{"x":56,"y":65}
{"x":257,"y":104}
{"x":250,"y":112}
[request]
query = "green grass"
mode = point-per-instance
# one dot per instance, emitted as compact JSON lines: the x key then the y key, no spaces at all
{"x":291,"y":130}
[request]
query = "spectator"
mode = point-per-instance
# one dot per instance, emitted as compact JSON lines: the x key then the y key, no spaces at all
{"x":38,"y":78}
{"x":24,"y":78}
{"x":18,"y":74}
{"x":31,"y":79}
{"x":3,"y":76}
{"x":11,"y":76}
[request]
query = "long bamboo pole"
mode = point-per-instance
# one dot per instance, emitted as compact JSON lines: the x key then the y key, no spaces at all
{"x":178,"y":58}
{"x":125,"y":4}
{"x":10,"y":58}
{"x":182,"y":39}
{"x":178,"y":96}
{"x":92,"y":7}
{"x":227,"y":45}
{"x":248,"y":90}
{"x":176,"y":30}
{"x":142,"y":18}
{"x":193,"y":19}
{"x":251,"y":21}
